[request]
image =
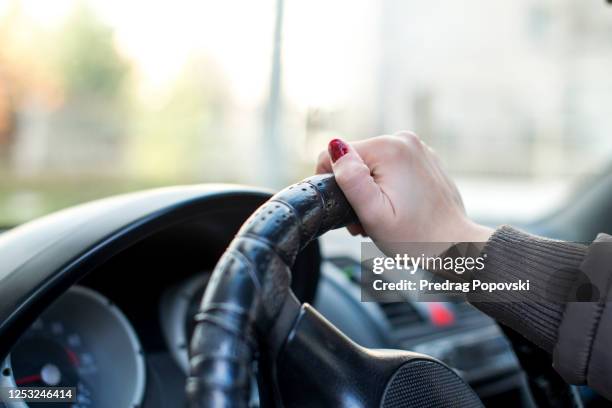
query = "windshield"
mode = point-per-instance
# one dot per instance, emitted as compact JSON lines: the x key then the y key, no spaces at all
{"x":102,"y":97}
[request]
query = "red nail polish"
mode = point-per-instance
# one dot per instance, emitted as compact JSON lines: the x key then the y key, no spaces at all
{"x":337,"y":148}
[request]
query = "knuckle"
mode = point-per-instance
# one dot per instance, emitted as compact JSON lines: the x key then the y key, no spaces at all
{"x":433,"y":153}
{"x":409,"y":136}
{"x":398,"y":147}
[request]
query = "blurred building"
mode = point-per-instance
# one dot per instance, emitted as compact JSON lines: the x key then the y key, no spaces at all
{"x":517,"y":88}
{"x":514,"y":89}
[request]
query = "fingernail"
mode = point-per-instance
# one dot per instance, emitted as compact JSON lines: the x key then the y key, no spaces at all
{"x":337,"y":148}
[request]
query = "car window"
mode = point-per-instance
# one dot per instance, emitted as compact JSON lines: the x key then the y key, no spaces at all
{"x":101,"y":97}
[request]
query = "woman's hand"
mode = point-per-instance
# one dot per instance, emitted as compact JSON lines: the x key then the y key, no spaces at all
{"x":399,"y":191}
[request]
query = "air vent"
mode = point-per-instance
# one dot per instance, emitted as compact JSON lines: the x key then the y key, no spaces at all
{"x":401,"y":314}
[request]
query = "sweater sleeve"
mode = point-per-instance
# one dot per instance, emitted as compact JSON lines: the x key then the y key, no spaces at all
{"x":551,"y":267}
{"x":568,"y":309}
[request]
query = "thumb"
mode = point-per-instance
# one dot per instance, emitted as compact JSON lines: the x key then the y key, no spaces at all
{"x":355,"y":179}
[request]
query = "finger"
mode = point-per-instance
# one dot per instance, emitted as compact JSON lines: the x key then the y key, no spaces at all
{"x":356,"y":229}
{"x":324,"y":164}
{"x":354,"y":178}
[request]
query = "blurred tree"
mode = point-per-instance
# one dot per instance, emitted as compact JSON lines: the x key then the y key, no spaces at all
{"x":185,"y":119}
{"x":88,"y":133}
{"x":89,"y":63}
{"x":25,"y":74}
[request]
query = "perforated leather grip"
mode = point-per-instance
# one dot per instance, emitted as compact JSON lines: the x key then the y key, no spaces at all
{"x":249,"y":285}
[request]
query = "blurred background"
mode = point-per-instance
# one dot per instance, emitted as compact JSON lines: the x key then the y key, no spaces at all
{"x":101,"y":97}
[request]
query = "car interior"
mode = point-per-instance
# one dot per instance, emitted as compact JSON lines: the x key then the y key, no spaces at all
{"x":158,"y":249}
{"x":103,"y":297}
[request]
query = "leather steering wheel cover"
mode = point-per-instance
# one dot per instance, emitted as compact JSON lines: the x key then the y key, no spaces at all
{"x":250,"y":283}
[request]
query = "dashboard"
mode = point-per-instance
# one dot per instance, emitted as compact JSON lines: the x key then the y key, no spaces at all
{"x":139,"y":358}
{"x":118,"y":330}
{"x":79,"y":342}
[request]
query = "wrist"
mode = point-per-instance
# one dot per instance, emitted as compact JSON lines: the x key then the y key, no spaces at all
{"x":477,"y":233}
{"x":461,"y":229}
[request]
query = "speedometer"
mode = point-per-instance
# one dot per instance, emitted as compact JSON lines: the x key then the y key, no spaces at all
{"x":81,"y":341}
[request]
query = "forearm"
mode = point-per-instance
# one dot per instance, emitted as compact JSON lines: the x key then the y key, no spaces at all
{"x":551,"y":267}
{"x":567,"y":310}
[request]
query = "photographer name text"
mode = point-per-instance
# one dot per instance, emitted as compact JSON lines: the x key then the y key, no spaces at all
{"x":425,"y":285}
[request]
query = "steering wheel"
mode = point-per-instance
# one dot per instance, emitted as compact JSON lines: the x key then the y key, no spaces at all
{"x":249,"y":318}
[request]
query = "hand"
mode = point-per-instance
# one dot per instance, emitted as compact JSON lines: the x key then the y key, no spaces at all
{"x":399,"y":191}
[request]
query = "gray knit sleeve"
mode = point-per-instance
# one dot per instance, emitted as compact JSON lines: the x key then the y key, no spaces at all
{"x":552,"y":268}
